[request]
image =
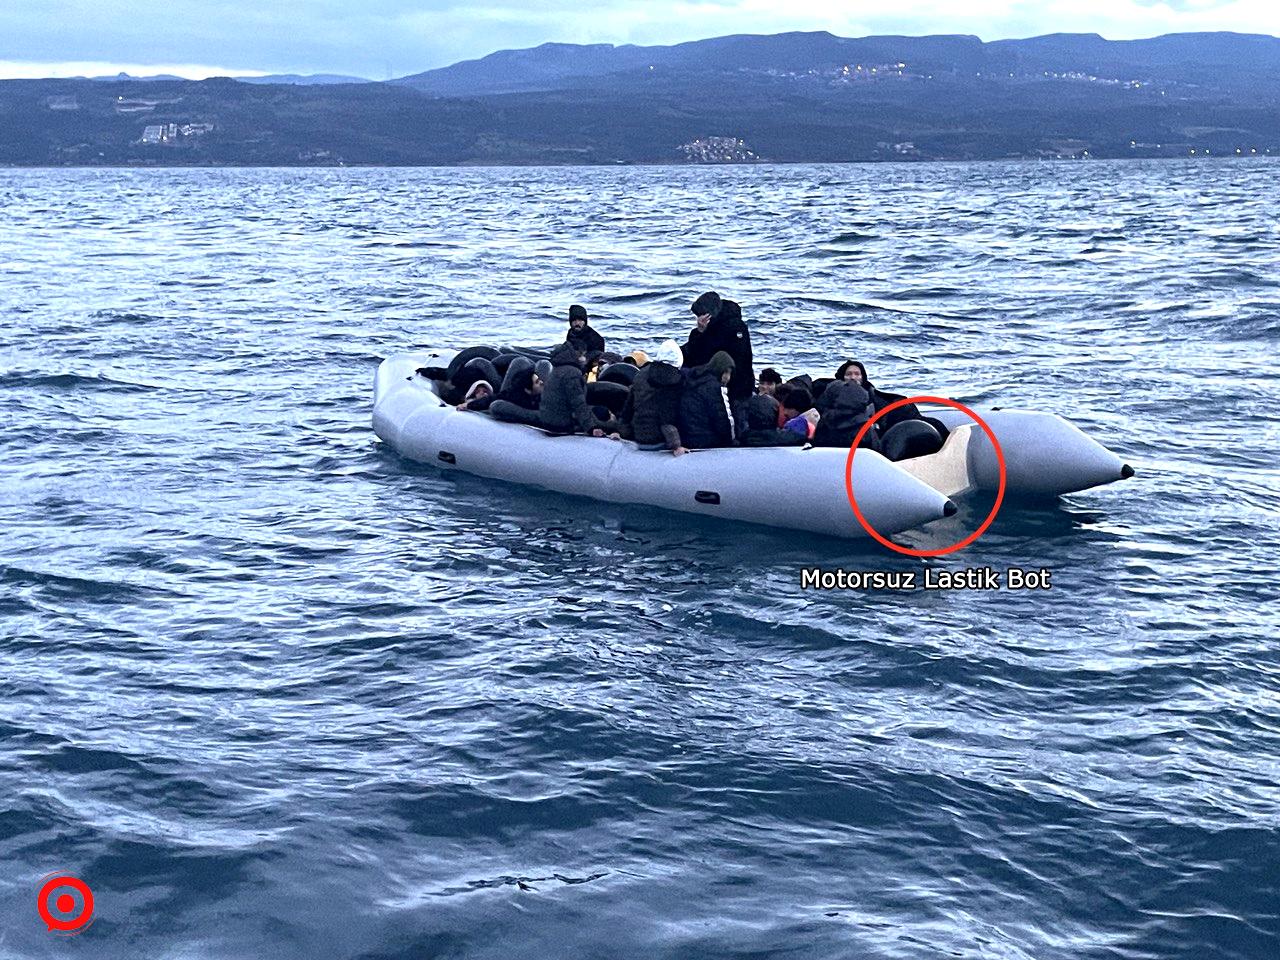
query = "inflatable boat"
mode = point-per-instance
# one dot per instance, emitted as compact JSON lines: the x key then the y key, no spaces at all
{"x":790,"y":487}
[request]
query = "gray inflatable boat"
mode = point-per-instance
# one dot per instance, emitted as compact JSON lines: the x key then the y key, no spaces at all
{"x":790,"y":487}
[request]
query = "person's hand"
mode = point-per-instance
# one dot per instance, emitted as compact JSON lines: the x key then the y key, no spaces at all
{"x":597,"y":432}
{"x":679,"y":451}
{"x":615,"y":436}
{"x":461,"y":406}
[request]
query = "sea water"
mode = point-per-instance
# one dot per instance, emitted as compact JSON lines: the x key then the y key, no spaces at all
{"x":270,"y":690}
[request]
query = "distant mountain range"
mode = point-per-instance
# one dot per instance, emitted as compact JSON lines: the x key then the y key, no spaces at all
{"x":788,"y":97}
{"x":1220,"y":59}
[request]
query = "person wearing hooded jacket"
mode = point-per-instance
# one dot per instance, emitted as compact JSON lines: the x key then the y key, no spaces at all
{"x":762,"y":425}
{"x":584,"y":339}
{"x":705,"y":417}
{"x":853,"y":371}
{"x":564,"y":398}
{"x":844,"y":408}
{"x":478,"y":396}
{"x":720,"y":327}
{"x":651,"y":414}
{"x":522,"y":389}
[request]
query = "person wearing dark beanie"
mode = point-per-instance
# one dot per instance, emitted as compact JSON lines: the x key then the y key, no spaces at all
{"x":707,"y":305}
{"x":719,"y":327}
{"x":580,"y":334}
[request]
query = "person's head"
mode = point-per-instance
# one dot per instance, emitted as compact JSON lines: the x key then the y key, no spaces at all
{"x":770,"y":380}
{"x":577,"y":316}
{"x":568,"y":354}
{"x":798,"y":401}
{"x":637,"y":358}
{"x":762,"y":412}
{"x":852,"y":370}
{"x":479,"y":390}
{"x":705,"y":308}
{"x":669,"y":352}
{"x":721,"y":364}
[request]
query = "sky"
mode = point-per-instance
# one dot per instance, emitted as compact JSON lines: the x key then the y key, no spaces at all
{"x":379,"y":39}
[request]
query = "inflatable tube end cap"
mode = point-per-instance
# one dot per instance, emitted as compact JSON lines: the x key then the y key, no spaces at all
{"x":949,"y":509}
{"x":1126,"y":472}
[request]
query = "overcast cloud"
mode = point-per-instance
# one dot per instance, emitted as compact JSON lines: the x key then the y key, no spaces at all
{"x":380,"y":38}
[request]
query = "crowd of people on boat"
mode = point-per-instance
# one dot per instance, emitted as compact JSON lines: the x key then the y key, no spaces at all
{"x":703,"y":394}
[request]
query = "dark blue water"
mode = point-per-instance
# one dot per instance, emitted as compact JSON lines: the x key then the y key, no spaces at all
{"x":272,"y":691}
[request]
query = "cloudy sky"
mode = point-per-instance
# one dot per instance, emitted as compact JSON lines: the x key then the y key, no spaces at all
{"x":382,"y":38}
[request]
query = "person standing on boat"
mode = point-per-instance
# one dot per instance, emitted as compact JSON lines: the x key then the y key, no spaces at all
{"x":720,"y":327}
{"x":581,"y":335}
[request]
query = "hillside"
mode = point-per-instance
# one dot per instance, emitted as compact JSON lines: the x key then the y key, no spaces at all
{"x":787,"y":98}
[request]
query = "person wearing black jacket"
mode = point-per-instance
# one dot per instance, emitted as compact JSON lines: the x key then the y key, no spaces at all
{"x":720,"y":327}
{"x":854,"y":371}
{"x":564,"y":398}
{"x":762,"y":425}
{"x":843,"y":410}
{"x":651,"y":413}
{"x":705,"y":419}
{"x":523,"y":389}
{"x":581,"y":335}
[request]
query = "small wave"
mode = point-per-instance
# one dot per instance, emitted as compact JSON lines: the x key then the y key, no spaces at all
{"x":1251,"y":325}
{"x":643,"y":297}
{"x":838,"y":255}
{"x":1242,"y":238}
{"x":1077,"y":229}
{"x":1237,"y":277}
{"x":850,"y":238}
{"x":850,"y":305}
{"x":71,"y":588}
{"x":1147,"y":307}
{"x":921,"y":293}
{"x":129,"y":317}
{"x":408,"y":244}
{"x":73,"y":381}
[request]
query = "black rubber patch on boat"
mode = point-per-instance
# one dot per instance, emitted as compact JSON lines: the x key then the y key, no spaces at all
{"x":707,"y":496}
{"x":446,"y":456}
